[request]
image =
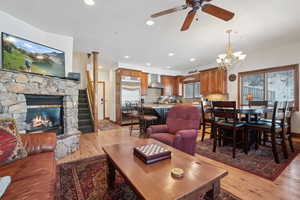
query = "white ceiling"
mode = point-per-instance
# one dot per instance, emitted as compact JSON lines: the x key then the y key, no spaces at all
{"x":117,"y":28}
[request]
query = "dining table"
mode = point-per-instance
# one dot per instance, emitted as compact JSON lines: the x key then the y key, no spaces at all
{"x":248,"y":112}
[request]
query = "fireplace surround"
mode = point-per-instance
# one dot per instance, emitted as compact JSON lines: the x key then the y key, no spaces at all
{"x":16,"y":86}
{"x":44,"y":113}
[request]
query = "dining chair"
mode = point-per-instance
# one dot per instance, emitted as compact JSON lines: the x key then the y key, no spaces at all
{"x":256,"y":104}
{"x":225,"y":117}
{"x":145,"y":119}
{"x":287,"y":123}
{"x":206,"y":118}
{"x":272,"y":129}
{"x":258,"y":117}
{"x":289,"y":114}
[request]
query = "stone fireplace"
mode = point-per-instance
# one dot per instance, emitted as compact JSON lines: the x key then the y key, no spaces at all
{"x":40,"y":103}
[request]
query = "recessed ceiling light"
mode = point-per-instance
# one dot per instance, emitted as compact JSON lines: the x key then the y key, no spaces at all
{"x":150,"y":23}
{"x":100,"y":67}
{"x":171,"y":54}
{"x":127,"y":57}
{"x":168,"y":67}
{"x":89,"y":2}
{"x":148,"y":64}
{"x":192,"y":59}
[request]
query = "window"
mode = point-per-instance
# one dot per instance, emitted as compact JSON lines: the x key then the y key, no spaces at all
{"x":274,"y":84}
{"x":191,"y":90}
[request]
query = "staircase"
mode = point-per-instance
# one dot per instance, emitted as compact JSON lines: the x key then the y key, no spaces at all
{"x":85,"y":122}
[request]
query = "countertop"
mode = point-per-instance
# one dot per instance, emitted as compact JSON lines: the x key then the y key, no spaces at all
{"x":168,"y":105}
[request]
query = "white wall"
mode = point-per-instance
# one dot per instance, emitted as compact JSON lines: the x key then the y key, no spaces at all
{"x":266,"y":58}
{"x":112,"y":100}
{"x":105,"y":76}
{"x":80,"y":61}
{"x":14,"y":26}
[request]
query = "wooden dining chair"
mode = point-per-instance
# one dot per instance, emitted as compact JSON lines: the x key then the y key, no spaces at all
{"x":289,"y":114}
{"x":206,"y":118}
{"x":225,"y":117}
{"x":271,"y":130}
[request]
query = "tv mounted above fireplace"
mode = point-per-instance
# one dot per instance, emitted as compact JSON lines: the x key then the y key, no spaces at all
{"x":19,"y":54}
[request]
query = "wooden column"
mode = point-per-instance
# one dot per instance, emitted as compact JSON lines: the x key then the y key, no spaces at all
{"x":95,"y":95}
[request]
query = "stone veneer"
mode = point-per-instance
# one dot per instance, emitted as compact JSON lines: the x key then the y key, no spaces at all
{"x":14,"y":86}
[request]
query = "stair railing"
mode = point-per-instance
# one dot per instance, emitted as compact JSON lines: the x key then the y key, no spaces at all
{"x":90,"y":92}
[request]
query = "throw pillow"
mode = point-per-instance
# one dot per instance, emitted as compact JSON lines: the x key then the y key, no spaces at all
{"x":11,"y":146}
{"x":4,"y":183}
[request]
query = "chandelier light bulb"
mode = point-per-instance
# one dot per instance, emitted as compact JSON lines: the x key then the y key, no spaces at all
{"x":238,"y":53}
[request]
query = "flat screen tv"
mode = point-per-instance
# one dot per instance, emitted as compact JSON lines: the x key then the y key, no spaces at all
{"x":19,"y":54}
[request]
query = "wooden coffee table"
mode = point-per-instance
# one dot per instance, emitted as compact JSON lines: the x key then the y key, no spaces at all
{"x":155,"y":182}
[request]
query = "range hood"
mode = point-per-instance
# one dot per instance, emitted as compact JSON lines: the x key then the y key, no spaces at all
{"x":154,"y":81}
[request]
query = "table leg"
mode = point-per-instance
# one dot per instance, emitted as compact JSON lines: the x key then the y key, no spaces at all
{"x":111,"y":174}
{"x":215,"y":191}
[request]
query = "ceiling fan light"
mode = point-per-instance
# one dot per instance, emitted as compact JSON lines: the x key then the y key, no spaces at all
{"x":219,"y":60}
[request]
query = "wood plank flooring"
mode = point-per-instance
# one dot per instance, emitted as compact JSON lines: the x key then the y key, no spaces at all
{"x":240,"y":183}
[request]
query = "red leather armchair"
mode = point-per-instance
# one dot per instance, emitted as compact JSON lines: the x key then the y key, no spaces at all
{"x":181,"y":129}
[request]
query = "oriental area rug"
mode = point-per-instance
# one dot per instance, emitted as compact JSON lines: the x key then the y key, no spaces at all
{"x":259,"y":162}
{"x":86,"y":180}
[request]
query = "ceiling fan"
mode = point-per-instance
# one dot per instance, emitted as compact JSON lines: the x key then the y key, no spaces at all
{"x":196,"y":5}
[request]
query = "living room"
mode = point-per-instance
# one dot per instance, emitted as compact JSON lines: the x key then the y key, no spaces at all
{"x":134,"y":100}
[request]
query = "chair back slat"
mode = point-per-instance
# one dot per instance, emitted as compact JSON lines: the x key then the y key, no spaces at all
{"x":225,"y":109}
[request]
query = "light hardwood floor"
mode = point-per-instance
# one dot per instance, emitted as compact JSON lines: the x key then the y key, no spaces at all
{"x":240,"y":183}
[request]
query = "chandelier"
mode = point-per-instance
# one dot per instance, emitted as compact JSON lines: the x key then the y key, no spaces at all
{"x":230,"y":58}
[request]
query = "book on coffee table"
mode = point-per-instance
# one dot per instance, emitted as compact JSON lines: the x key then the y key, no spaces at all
{"x":151,"y":153}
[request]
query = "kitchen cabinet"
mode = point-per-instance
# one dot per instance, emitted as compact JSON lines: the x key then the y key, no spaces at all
{"x":144,"y":83}
{"x":213,"y":81}
{"x":170,"y":85}
{"x":178,"y":89}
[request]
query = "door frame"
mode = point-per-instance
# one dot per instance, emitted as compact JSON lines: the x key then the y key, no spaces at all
{"x":103,"y":82}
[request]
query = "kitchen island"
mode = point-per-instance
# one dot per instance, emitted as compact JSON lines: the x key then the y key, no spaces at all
{"x":161,"y":110}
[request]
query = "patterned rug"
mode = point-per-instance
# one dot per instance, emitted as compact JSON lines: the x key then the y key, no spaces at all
{"x":259,"y":162}
{"x":105,"y":125}
{"x":86,"y":180}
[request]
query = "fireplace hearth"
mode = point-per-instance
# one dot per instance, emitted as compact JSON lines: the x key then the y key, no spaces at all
{"x":44,"y":113}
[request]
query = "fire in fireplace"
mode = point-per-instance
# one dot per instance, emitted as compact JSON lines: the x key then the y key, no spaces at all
{"x":44,"y":113}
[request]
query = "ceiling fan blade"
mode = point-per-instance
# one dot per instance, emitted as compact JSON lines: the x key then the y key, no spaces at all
{"x":169,"y":11}
{"x":188,"y":20}
{"x":218,"y":12}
